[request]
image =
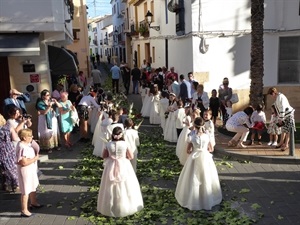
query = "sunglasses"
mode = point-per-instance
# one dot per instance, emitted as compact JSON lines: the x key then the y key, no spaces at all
{"x":225,"y":83}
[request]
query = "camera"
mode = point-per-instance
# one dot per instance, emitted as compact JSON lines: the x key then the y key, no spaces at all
{"x":27,"y":116}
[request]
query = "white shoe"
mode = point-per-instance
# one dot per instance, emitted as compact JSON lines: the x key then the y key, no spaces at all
{"x":270,"y":143}
{"x":274,"y":143}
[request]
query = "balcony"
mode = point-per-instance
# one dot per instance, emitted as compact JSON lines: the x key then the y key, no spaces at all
{"x":101,"y":42}
{"x":133,"y":30}
{"x":143,"y":28}
{"x":95,"y":42}
{"x":105,"y":41}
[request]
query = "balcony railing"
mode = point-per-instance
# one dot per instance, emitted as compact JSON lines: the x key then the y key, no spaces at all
{"x":143,"y":28}
{"x":133,"y":30}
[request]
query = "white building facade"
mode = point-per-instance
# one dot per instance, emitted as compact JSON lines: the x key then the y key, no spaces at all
{"x":31,"y":33}
{"x":212,"y":38}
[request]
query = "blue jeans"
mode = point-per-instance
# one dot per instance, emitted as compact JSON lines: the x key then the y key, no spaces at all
{"x":135,"y":84}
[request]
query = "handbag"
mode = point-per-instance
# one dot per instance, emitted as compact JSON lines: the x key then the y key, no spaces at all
{"x":74,"y":117}
{"x":234,"y":98}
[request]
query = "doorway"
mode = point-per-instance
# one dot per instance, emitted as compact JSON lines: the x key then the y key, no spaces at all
{"x":5,"y":81}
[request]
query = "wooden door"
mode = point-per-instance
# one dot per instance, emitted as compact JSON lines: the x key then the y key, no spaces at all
{"x":5,"y":81}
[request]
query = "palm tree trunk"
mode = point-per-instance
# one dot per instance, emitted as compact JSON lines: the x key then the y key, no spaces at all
{"x":257,"y":53}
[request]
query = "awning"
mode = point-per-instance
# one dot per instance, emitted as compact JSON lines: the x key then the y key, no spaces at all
{"x":19,"y":44}
{"x":61,"y":61}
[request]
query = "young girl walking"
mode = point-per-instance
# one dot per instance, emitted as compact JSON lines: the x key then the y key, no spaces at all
{"x":119,"y":194}
{"x":198,"y":185}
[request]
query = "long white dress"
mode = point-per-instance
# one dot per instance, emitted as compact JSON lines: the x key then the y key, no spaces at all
{"x":163,"y":106}
{"x":170,"y":132}
{"x":145,"y":111}
{"x":93,"y":118}
{"x":198,"y":185}
{"x":101,"y":140}
{"x":154,"y":107}
{"x":102,"y":116}
{"x":119,"y":194}
{"x":210,"y":130}
{"x":183,"y":142}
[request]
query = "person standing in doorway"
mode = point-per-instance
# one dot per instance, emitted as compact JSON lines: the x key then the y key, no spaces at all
{"x":115,"y":75}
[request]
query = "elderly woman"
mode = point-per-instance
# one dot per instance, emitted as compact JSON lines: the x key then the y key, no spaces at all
{"x":200,"y":99}
{"x":239,"y":123}
{"x":225,"y":94}
{"x":286,"y":117}
{"x":66,"y":120}
{"x":8,"y":154}
{"x":48,"y":132}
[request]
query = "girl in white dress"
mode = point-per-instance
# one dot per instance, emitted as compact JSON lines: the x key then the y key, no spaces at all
{"x":162,"y":108}
{"x":100,"y":140}
{"x":119,"y":194}
{"x":209,"y":128}
{"x":198,"y":185}
{"x":143,"y":91}
{"x":179,"y":117}
{"x":154,"y":107}
{"x":183,"y":137}
{"x":170,"y":133}
{"x":132,"y":139}
{"x":145,"y":111}
{"x":27,"y":153}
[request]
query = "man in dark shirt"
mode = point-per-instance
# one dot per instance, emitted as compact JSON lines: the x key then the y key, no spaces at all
{"x":136,"y":76}
{"x":126,"y":77}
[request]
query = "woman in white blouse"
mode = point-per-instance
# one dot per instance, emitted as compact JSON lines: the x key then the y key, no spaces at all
{"x":200,"y":99}
{"x":239,"y":123}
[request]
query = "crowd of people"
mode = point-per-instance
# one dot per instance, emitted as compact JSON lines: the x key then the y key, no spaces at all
{"x":184,"y":111}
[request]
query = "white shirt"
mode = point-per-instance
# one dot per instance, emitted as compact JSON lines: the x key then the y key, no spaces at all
{"x":179,"y":115}
{"x":204,"y":98}
{"x":258,"y":117}
{"x":88,"y":101}
{"x":132,"y":139}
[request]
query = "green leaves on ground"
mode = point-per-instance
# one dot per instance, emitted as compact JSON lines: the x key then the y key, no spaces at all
{"x":158,"y":170}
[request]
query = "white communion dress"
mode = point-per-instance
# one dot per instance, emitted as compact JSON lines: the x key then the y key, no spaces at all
{"x":119,"y":194}
{"x":198,"y":185}
{"x":182,"y":142}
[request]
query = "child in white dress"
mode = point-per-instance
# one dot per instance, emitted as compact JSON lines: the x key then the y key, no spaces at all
{"x":154,"y":106}
{"x":170,"y":133}
{"x":115,"y":123}
{"x":101,"y":139}
{"x":119,"y":194}
{"x":209,"y":128}
{"x":163,"y":106}
{"x":145,"y":111}
{"x":27,"y":153}
{"x":179,"y":117}
{"x":132,"y":139}
{"x":183,"y":137}
{"x":143,"y":91}
{"x":273,"y":129}
{"x":198,"y":185}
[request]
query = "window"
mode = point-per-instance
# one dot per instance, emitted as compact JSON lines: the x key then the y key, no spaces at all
{"x":153,"y":54}
{"x":289,"y":60}
{"x":76,"y":33}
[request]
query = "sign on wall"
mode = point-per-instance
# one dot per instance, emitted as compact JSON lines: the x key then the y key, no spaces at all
{"x":34,"y":78}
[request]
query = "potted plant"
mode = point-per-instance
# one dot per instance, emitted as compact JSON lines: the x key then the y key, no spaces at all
{"x":143,"y":30}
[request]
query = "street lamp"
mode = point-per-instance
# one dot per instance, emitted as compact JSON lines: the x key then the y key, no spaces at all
{"x":149,"y":17}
